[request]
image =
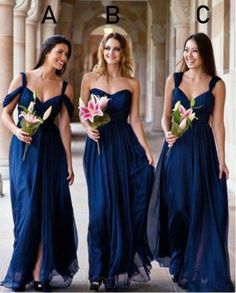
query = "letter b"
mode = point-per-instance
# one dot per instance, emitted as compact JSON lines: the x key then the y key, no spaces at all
{"x":112,"y":12}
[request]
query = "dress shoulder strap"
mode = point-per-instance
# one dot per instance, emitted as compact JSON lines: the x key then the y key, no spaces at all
{"x":213,"y":82}
{"x":177,"y":78}
{"x":24,"y":79}
{"x":64,"y":85}
{"x":66,"y":100}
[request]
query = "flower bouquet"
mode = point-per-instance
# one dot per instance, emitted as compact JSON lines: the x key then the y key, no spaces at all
{"x":30,"y":121}
{"x":94,"y":112}
{"x":181,"y":119}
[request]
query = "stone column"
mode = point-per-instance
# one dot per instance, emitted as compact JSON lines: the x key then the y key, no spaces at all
{"x":140,"y":63}
{"x":31,"y":35}
{"x":159,"y":39}
{"x":48,"y":30}
{"x":20,"y":12}
{"x":204,"y":14}
{"x":150,"y":61}
{"x":180,"y":10}
{"x":6,"y":68}
{"x":65,"y":28}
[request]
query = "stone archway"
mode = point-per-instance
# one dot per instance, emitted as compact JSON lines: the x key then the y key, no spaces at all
{"x":84,"y":17}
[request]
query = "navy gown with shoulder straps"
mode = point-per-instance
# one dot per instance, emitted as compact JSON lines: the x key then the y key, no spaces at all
{"x":188,"y":212}
{"x":40,"y":197}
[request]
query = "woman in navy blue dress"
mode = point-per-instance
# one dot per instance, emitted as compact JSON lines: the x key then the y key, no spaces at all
{"x":45,"y":237}
{"x":188,"y":215}
{"x":119,"y":179}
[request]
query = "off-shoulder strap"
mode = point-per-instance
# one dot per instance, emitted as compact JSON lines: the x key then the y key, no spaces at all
{"x":213,"y":82}
{"x":69,"y":105}
{"x":11,"y":96}
{"x":64,"y":85}
{"x":24,"y":79}
{"x":66,"y":100}
{"x":177,"y":78}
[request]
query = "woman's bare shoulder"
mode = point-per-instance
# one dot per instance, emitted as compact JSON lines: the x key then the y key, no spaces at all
{"x":90,"y":77}
{"x":134,"y":83}
{"x":16,"y":82}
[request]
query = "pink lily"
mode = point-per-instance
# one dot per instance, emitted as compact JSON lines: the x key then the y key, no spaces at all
{"x":184,"y":112}
{"x":102,"y":101}
{"x":85,"y":114}
{"x":30,"y":118}
{"x":93,"y":109}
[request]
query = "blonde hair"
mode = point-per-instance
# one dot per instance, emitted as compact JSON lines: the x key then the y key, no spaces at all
{"x":126,"y":64}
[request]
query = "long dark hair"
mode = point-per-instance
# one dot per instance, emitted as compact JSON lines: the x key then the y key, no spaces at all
{"x":48,"y":45}
{"x":206,"y":52}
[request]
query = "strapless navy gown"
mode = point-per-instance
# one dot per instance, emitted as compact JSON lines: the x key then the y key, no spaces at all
{"x":40,"y":196}
{"x":119,"y":184}
{"x":188,"y":214}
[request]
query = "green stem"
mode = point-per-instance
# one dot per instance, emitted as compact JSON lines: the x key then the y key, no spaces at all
{"x":25,"y":151}
{"x":168,"y":152}
{"x":98,"y":147}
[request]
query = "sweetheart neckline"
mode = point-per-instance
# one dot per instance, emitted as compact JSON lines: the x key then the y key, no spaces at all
{"x":39,"y":100}
{"x":195,"y":97}
{"x":112,"y":94}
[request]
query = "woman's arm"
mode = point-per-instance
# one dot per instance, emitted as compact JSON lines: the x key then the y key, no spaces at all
{"x":166,"y":116}
{"x":136,"y":123}
{"x":7,"y":113}
{"x":84,"y":95}
{"x":65,"y":131}
{"x":217,"y":123}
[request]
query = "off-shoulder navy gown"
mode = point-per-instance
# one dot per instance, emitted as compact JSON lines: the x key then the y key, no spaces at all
{"x":188,"y":214}
{"x":40,"y":196}
{"x":119,"y":184}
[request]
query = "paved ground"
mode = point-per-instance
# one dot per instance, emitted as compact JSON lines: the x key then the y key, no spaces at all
{"x":160,"y":282}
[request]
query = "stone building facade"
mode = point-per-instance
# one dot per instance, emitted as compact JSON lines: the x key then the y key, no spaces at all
{"x":156,"y":30}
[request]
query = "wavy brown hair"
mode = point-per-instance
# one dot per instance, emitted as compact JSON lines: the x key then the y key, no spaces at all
{"x":206,"y":52}
{"x":126,"y":64}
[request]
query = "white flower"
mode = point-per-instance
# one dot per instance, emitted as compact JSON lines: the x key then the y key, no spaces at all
{"x":31,"y":107}
{"x":176,"y":107}
{"x":192,"y":116}
{"x":183,"y":124}
{"x":47,"y":113}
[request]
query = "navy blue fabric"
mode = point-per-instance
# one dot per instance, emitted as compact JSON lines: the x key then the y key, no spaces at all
{"x":119,"y":187}
{"x":188,"y":212}
{"x":41,"y":202}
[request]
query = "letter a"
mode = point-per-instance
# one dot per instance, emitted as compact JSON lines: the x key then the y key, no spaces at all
{"x":51,"y":15}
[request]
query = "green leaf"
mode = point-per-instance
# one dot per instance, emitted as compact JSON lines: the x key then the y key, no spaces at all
{"x":29,"y":128}
{"x":23,"y":108}
{"x":100,"y":121}
{"x":192,"y":102}
{"x":175,"y":128}
{"x":176,"y":116}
